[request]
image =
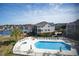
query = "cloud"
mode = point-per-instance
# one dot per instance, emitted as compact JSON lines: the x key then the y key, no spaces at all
{"x":51,"y":13}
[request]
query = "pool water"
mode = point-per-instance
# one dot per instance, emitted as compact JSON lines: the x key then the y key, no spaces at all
{"x":52,"y":45}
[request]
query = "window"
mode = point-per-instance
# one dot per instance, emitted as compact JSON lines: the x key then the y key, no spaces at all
{"x":48,"y":26}
{"x":38,"y":26}
{"x":41,"y":30}
{"x":24,"y":43}
{"x":45,"y":29}
{"x":48,"y":29}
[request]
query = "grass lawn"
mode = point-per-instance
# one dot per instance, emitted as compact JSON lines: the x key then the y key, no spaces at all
{"x":6,"y":45}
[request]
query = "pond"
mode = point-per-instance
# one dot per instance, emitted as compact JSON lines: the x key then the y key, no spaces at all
{"x":5,"y":32}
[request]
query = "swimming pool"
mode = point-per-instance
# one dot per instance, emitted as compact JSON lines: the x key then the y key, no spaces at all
{"x":52,"y":45}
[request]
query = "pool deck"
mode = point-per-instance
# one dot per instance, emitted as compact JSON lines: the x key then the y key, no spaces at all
{"x":25,"y":49}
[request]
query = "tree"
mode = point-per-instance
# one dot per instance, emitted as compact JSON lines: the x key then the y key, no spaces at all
{"x":16,"y":33}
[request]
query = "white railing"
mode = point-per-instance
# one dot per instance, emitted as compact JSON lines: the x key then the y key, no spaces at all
{"x":48,"y":38}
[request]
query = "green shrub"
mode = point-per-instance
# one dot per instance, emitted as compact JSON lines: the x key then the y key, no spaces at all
{"x":45,"y":34}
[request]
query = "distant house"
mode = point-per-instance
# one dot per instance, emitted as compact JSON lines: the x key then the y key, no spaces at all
{"x":1,"y":28}
{"x":45,"y":27}
{"x":27,"y":28}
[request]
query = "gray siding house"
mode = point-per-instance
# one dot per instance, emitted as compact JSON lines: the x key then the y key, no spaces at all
{"x":72,"y":30}
{"x":45,"y":27}
{"x":27,"y":28}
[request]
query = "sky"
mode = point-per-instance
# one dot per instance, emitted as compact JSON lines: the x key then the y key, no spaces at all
{"x":32,"y":13}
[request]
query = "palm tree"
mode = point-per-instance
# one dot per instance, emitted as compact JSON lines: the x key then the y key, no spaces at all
{"x":16,"y":33}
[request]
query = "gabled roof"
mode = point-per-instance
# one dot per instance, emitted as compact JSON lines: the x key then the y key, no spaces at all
{"x":43,"y":23}
{"x":51,"y":24}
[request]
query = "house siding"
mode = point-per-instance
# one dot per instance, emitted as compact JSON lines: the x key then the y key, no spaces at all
{"x":48,"y":28}
{"x":72,"y":30}
{"x":45,"y":29}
